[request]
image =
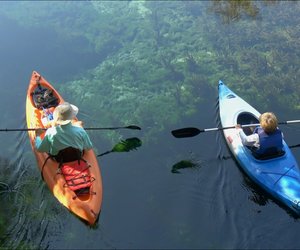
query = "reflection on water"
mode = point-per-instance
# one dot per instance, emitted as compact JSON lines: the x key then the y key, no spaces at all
{"x":8,"y":192}
{"x":184,"y":164}
{"x":260,"y":197}
{"x":256,"y":194}
{"x":126,"y":145}
{"x":232,"y":10}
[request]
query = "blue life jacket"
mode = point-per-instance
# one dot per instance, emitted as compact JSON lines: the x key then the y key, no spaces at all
{"x":269,"y":143}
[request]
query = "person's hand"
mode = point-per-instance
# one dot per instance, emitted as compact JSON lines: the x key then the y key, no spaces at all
{"x":238,"y":126}
{"x":38,"y":132}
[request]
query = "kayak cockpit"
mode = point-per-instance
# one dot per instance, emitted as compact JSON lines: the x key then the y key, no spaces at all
{"x":269,"y":156}
{"x":247,"y":118}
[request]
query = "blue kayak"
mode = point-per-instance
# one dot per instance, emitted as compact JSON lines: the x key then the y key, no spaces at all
{"x":279,"y":175}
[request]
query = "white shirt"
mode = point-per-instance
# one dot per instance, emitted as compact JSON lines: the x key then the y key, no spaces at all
{"x":250,"y":140}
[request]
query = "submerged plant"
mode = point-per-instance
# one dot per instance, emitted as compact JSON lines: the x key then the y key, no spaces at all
{"x":161,"y":56}
{"x":7,"y":189}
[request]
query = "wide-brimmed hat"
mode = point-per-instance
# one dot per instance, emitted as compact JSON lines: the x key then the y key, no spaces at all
{"x":64,"y":113}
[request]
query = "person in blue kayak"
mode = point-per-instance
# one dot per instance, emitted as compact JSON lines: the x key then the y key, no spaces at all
{"x":64,"y":134}
{"x":267,"y":139}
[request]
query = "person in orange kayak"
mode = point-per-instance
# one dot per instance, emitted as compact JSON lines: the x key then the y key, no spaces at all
{"x":266,"y":138}
{"x":63,"y":134}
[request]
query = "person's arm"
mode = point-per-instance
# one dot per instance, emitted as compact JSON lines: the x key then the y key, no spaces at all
{"x":87,"y":144}
{"x":250,"y":140}
{"x":42,"y":145}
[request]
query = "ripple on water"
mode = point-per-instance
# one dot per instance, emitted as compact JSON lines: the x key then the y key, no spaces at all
{"x":25,"y":199}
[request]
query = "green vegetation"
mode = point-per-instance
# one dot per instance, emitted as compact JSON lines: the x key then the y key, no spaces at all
{"x":25,"y":208}
{"x":160,"y":59}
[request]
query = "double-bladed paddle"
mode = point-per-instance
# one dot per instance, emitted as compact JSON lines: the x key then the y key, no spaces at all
{"x":191,"y":131}
{"x":32,"y":129}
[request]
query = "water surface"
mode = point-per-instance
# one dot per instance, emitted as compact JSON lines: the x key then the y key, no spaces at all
{"x":145,"y":206}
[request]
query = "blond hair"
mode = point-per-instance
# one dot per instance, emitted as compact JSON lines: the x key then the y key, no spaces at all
{"x":268,"y":122}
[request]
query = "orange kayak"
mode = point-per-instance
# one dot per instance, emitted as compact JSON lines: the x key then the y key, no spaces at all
{"x":87,"y":205}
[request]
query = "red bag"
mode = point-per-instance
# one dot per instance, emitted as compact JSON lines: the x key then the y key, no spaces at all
{"x":76,"y":174}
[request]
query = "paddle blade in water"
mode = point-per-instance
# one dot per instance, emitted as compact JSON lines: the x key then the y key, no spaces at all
{"x":127,"y":145}
{"x":133,"y":127}
{"x":185,"y":132}
{"x":183,"y":164}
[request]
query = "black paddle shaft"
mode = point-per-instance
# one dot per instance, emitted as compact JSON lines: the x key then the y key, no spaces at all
{"x":190,"y":131}
{"x":32,"y":129}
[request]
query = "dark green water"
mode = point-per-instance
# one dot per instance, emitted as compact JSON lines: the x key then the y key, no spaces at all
{"x":252,"y":47}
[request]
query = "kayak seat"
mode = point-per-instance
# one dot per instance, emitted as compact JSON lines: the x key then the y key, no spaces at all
{"x":77,"y":176}
{"x":68,"y":154}
{"x":75,"y":170}
{"x":273,"y":153}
